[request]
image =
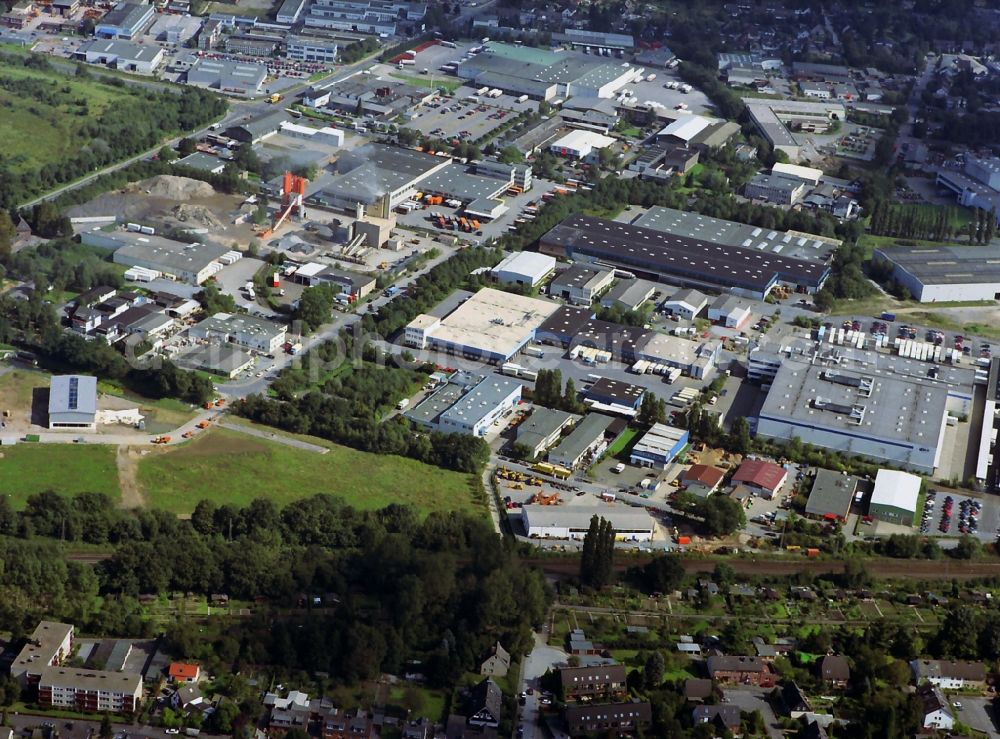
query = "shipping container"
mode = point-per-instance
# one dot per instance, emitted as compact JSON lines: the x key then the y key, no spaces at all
{"x":683,"y":540}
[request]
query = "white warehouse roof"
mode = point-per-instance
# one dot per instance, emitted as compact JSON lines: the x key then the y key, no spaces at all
{"x":686,"y":127}
{"x":580,"y":140}
{"x":809,"y":174}
{"x":897,"y":489}
{"x":528,"y":263}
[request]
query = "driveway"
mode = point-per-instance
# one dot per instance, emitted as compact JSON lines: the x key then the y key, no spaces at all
{"x":543,"y":657}
{"x":978,"y":713}
{"x":754,"y":699}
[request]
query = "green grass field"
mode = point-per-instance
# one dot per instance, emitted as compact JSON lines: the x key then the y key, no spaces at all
{"x":230,"y":467}
{"x":29,"y":468}
{"x":34,"y":133}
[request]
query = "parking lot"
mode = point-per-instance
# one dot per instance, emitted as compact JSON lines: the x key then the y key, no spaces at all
{"x":461,"y":117}
{"x":657,"y":92}
{"x":965,"y":514}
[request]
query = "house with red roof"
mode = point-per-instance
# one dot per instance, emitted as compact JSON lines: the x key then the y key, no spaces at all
{"x":184,"y":672}
{"x":765,"y":478}
{"x":702,"y":479}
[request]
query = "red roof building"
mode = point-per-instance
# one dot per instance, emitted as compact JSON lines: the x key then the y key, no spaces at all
{"x":702,"y":479}
{"x":184,"y":672}
{"x":764,"y":477}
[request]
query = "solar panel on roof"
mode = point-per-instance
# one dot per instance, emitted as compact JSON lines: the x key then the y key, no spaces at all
{"x":74,"y":392}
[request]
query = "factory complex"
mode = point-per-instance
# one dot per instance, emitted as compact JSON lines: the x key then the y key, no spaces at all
{"x":944,"y":273}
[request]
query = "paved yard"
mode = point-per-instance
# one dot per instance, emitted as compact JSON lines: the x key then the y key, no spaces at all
{"x":753,"y":699}
{"x":979,"y":714}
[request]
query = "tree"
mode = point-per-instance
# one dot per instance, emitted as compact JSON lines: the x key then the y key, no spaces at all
{"x":166,"y":154}
{"x":597,"y":560}
{"x":652,"y":410}
{"x":653,"y":670}
{"x":221,"y":720}
{"x":968,"y":547}
{"x":739,"y":436}
{"x":7,"y":234}
{"x":662,"y":574}
{"x":187,"y":146}
{"x":316,"y":306}
{"x":105,"y":732}
{"x":722,"y":514}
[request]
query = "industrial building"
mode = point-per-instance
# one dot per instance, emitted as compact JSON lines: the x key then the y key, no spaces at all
{"x":377,"y":17}
{"x":127,"y":21}
{"x":524,"y":268}
{"x":122,"y":55}
{"x":698,"y":132}
{"x":543,"y":74}
{"x":379,"y":179}
{"x":49,"y":644}
{"x":773,"y":119}
{"x":289,"y":11}
{"x":191,"y":263}
{"x":858,"y":403}
{"x":730,"y":311}
{"x":657,"y":255}
{"x":945,"y":273}
{"x":608,"y":394}
{"x":543,"y":428}
{"x":326,"y":135}
{"x":894,"y":498}
{"x":763,"y":477}
{"x":225,"y":360}
{"x":467,"y":404}
{"x":581,"y":284}
{"x":976,"y":185}
{"x":228,"y":77}
{"x":257,"y":129}
{"x":586,"y":441}
{"x":777,"y":189}
{"x":73,"y":402}
{"x":628,"y":294}
{"x":244,"y":330}
{"x":491,"y":325}
{"x":204,"y":162}
{"x":311,"y":49}
{"x":688,"y":224}
{"x":573,"y":521}
{"x":832,"y":494}
{"x":90,"y":690}
{"x":687,"y":304}
{"x":659,"y":446}
{"x":580,"y":144}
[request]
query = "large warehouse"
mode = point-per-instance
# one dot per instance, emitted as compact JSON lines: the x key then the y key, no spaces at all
{"x":894,"y":499}
{"x":859,"y":403}
{"x":945,"y":273}
{"x":467,"y":404}
{"x":658,"y":255}
{"x":659,"y":446}
{"x":73,"y":402}
{"x":774,"y":119}
{"x":524,"y":268}
{"x":191,"y":263}
{"x":573,"y":521}
{"x":491,"y":325}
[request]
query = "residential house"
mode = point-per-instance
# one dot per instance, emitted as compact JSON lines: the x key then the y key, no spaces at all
{"x":592,"y":682}
{"x":610,"y":719}
{"x":834,"y":670}
{"x":949,"y":674}
{"x":483,"y":707}
{"x":698,"y":689}
{"x":936,"y":713}
{"x":793,"y":700}
{"x":702,"y":479}
{"x":740,"y":670}
{"x":723,"y":717}
{"x":497,"y":664}
{"x":184,"y":672}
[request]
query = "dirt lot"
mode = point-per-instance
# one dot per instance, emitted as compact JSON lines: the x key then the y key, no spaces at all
{"x":173,"y":202}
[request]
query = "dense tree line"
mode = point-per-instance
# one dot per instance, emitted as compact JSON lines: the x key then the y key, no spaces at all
{"x":597,"y":560}
{"x":440,"y":590}
{"x":847,"y":278}
{"x":332,"y":418}
{"x":132,"y":125}
{"x":917,"y":222}
{"x":550,"y":393}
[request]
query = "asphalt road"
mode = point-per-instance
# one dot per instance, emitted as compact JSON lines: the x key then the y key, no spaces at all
{"x":542,"y":657}
{"x":23,"y":723}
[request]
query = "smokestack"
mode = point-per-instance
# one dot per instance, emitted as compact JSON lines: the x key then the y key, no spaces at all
{"x":359,"y":211}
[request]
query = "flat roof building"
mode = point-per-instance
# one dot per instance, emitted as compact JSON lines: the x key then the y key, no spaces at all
{"x":467,"y":404}
{"x":777,"y":189}
{"x":586,"y":441}
{"x":614,"y":394}
{"x":543,"y":428}
{"x":225,"y":360}
{"x":524,"y":268}
{"x":878,"y":407}
{"x":228,"y":77}
{"x":831,"y":495}
{"x":894,"y":498}
{"x":573,"y":521}
{"x":127,"y":21}
{"x":191,"y":263}
{"x":628,"y":294}
{"x":491,"y":325}
{"x":122,"y":55}
{"x":772,"y":119}
{"x":244,"y":330}
{"x":945,"y":273}
{"x":580,"y":143}
{"x":73,"y":402}
{"x":659,"y":446}
{"x":49,"y":644}
{"x":202,"y":161}
{"x":655,"y":254}
{"x":90,"y":690}
{"x":581,"y":284}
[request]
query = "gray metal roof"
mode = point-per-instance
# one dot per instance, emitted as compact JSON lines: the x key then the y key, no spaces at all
{"x":832,"y":492}
{"x":589,"y":430}
{"x":481,"y":400}
{"x":541,"y":424}
{"x":456,"y":182}
{"x":623,"y":519}
{"x":946,"y":265}
{"x":73,"y":395}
